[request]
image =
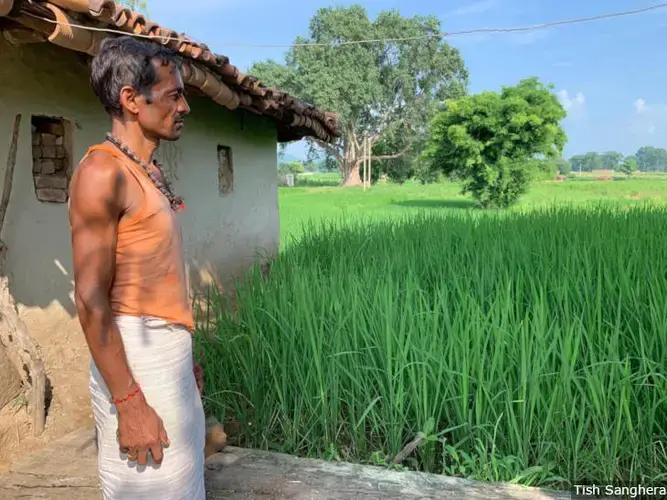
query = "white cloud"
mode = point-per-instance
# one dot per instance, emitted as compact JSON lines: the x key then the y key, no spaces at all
{"x":575,"y":105}
{"x":564,"y":99}
{"x":474,"y":8}
{"x":568,"y":102}
{"x":640,"y":106}
{"x":648,"y":118}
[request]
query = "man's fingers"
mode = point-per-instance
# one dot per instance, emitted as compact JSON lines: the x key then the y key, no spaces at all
{"x":162,"y":436}
{"x":157,"y":453}
{"x":142,"y":456}
{"x":132,"y":455}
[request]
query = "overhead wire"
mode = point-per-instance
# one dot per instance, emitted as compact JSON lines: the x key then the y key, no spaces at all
{"x":439,"y":34}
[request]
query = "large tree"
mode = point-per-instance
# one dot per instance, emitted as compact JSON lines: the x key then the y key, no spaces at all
{"x":587,"y":162}
{"x":386,"y":90}
{"x":611,"y":160}
{"x":651,"y":159}
{"x":629,"y":166}
{"x":494,"y":142}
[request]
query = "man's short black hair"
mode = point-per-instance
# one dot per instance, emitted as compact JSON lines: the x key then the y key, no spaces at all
{"x":124,"y":61}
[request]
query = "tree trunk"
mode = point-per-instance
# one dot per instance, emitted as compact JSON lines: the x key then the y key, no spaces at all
{"x":349,"y":163}
{"x":351,"y":175}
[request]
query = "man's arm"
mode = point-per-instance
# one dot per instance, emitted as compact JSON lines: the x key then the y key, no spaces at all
{"x":96,"y":203}
{"x":97,"y":200}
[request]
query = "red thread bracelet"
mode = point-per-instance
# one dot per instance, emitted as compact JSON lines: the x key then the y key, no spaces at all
{"x":117,"y":401}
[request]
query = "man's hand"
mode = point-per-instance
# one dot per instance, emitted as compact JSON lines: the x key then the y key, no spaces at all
{"x":140,"y":430}
{"x":199,"y":377}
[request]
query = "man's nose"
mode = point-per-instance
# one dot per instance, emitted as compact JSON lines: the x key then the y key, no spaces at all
{"x":184,"y":107}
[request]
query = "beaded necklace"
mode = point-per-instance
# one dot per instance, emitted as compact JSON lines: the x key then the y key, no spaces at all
{"x":176,"y":202}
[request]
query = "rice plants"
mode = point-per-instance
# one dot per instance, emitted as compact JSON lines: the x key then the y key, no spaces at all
{"x":528,"y":347}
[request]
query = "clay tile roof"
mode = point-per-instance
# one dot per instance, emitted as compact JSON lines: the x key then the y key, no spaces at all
{"x":210,"y":73}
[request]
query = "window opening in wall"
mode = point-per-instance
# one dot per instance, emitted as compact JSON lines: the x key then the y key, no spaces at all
{"x":51,"y":158}
{"x":225,"y":170}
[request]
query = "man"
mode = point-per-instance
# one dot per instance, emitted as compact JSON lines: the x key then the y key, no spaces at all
{"x":130,"y":286}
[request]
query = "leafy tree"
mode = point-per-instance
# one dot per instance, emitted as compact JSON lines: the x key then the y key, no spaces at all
{"x":611,"y":159}
{"x":587,"y":163}
{"x":425,"y":171}
{"x":563,"y":166}
{"x":542,"y":169}
{"x":650,"y":159}
{"x":384,"y":90}
{"x":490,"y":140}
{"x":292,"y":167}
{"x":629,"y":165}
{"x":400,"y":169}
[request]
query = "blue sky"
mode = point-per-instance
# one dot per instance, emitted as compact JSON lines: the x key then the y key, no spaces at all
{"x":609,"y":74}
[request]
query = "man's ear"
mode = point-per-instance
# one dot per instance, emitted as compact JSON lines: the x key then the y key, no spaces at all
{"x":130,"y":99}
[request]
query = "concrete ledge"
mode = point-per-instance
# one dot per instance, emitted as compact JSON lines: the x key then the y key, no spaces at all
{"x":67,"y":469}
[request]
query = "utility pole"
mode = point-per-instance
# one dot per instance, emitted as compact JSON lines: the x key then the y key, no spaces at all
{"x":368,"y":139}
{"x":364,"y":168}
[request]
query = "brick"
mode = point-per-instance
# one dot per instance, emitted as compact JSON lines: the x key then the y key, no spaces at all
{"x":36,"y":152}
{"x":35,"y":139}
{"x":60,"y":140}
{"x":48,"y":151}
{"x":53,"y":128}
{"x":48,"y":167}
{"x":52,"y":195}
{"x":48,"y":140}
{"x":60,"y":152}
{"x":51,"y":181}
{"x":36,"y":166}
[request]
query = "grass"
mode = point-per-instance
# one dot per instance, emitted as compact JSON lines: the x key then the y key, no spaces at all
{"x":526,"y":345}
{"x":299,"y":205}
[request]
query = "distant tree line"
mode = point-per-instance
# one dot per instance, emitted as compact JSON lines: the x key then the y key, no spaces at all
{"x":646,"y":159}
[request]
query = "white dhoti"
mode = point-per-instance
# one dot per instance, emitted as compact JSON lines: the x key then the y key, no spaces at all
{"x":160,"y":358}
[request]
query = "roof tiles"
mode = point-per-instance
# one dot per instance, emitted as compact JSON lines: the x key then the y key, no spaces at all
{"x":211,"y":73}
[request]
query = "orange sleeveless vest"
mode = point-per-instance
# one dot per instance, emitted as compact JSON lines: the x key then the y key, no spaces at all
{"x":150,"y":268}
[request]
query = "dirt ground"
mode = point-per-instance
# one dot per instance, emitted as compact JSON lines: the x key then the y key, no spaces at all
{"x":66,"y":359}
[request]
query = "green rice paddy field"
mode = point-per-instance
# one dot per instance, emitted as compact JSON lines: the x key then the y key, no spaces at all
{"x":528,"y":345}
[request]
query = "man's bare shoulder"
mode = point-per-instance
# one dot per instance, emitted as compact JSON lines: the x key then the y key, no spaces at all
{"x":100,"y":168}
{"x":98,"y":181}
{"x":99,"y":174}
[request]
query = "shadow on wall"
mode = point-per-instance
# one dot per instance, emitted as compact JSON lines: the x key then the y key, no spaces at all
{"x":205,"y":278}
{"x":39,"y":258}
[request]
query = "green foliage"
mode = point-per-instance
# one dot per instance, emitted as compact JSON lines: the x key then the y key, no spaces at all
{"x":292,"y":167}
{"x":611,"y":160}
{"x":650,"y":159}
{"x":542,"y":357}
{"x":563,"y":166}
{"x":398,"y":169}
{"x":629,"y":165}
{"x":488,"y":140}
{"x":587,"y":163}
{"x":383,"y":89}
{"x":425,"y":172}
{"x":542,"y":170}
